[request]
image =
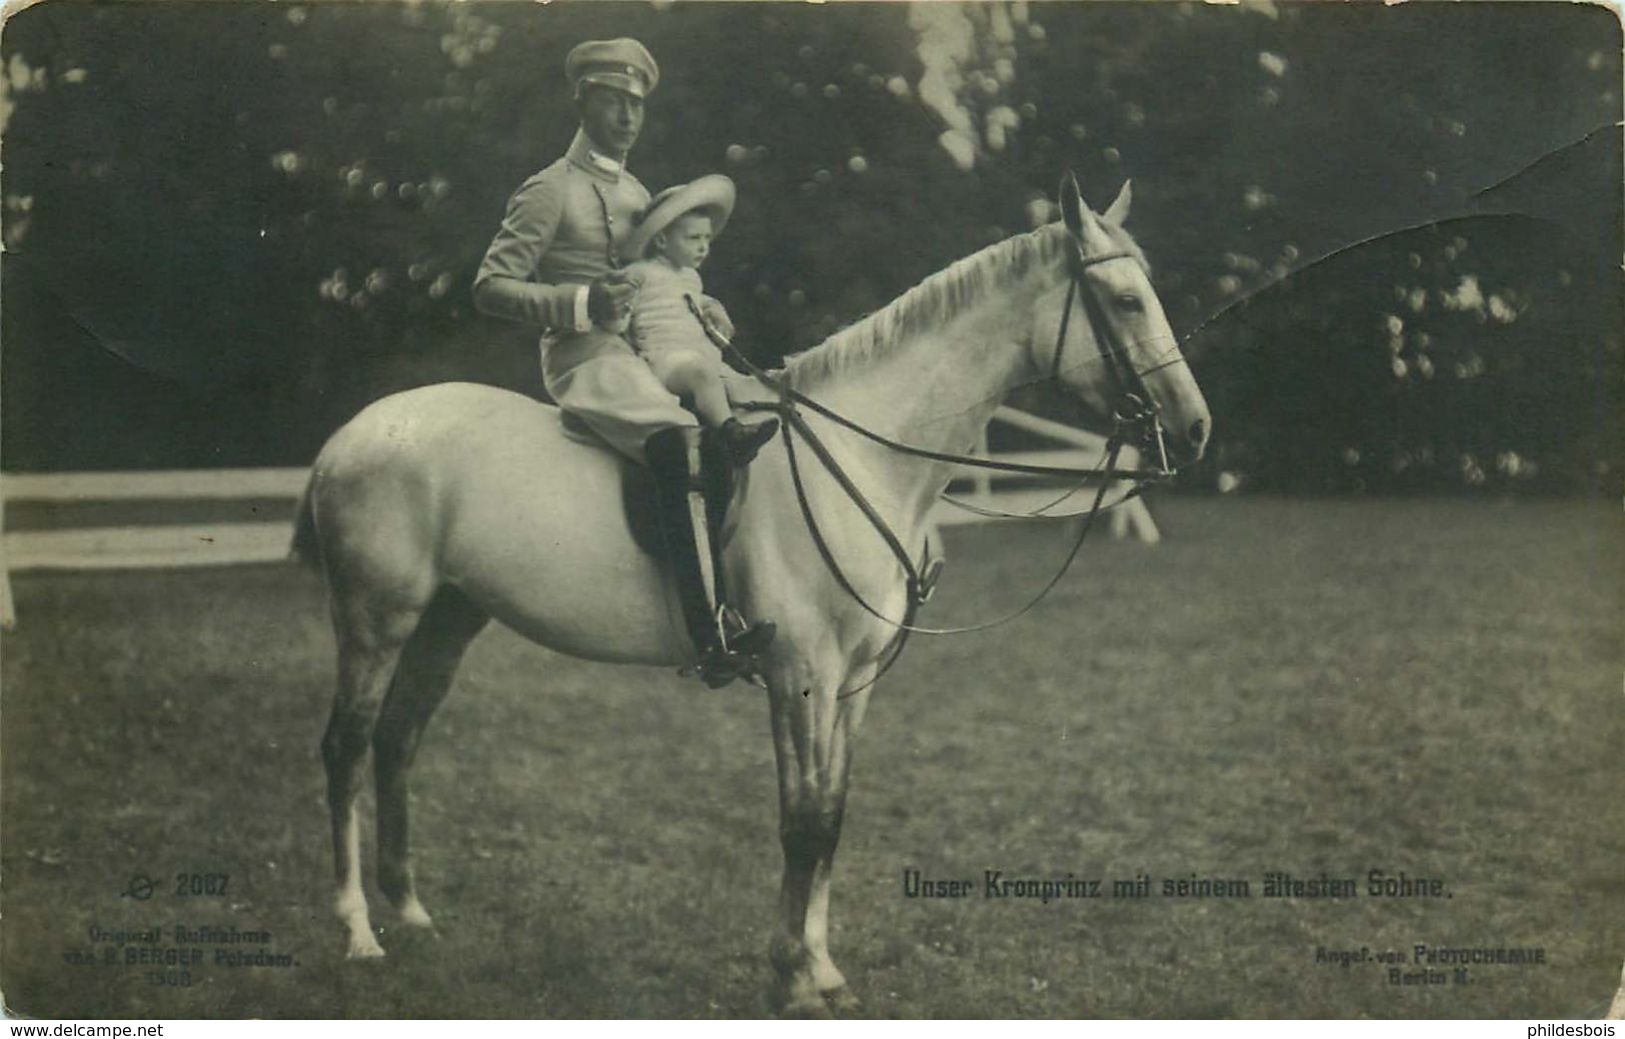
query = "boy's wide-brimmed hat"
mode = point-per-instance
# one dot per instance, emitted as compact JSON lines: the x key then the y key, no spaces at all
{"x":623,"y":63}
{"x":713,"y":194}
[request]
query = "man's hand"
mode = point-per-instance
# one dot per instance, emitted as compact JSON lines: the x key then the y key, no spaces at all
{"x":609,"y":299}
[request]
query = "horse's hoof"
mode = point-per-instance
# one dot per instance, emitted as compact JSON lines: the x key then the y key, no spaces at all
{"x":800,"y":1002}
{"x":414,"y":915}
{"x":843,"y":1000}
{"x":364,"y":948}
{"x":806,"y":1011}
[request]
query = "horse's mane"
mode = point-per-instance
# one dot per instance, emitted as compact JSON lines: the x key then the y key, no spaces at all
{"x":938,"y":300}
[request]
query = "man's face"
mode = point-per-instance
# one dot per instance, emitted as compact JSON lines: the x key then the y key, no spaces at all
{"x":612,"y":118}
{"x":687,"y":241}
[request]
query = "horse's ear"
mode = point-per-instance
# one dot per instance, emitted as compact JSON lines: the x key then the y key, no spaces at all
{"x":1072,"y":207}
{"x":1117,"y":212}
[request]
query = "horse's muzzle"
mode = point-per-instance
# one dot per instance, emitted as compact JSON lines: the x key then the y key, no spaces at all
{"x":1174,"y":447}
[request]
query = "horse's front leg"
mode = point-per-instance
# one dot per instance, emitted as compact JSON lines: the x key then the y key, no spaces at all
{"x":813,"y":728}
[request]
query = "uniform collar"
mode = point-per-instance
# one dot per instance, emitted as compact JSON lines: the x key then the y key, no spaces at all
{"x":583,"y":154}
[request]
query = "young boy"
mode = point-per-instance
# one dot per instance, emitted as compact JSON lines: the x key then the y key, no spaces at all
{"x":670,"y":241}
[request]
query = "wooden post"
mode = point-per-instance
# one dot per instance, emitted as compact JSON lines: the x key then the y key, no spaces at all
{"x":982,"y":479}
{"x":1133,"y":520}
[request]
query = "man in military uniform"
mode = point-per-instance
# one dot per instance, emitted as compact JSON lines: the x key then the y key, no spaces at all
{"x":552,"y":265}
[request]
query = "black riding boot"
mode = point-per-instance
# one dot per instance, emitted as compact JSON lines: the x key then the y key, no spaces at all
{"x":726,"y":645}
{"x":744,"y":441}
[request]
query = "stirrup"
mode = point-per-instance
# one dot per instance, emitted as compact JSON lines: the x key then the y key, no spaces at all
{"x":719,"y":667}
{"x":734,"y":635}
{"x":734,"y":653}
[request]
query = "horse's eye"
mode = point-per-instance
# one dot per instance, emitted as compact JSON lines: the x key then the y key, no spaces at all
{"x":1129,"y":302}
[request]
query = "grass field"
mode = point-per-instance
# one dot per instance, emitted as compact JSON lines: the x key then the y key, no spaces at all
{"x":1426,"y":686}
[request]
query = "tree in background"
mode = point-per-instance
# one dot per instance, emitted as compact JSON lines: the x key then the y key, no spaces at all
{"x":276,"y":211}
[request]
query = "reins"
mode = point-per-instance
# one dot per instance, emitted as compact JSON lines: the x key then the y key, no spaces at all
{"x":920,"y":579}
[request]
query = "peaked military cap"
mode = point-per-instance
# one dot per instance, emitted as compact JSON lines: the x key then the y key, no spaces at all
{"x":623,"y":63}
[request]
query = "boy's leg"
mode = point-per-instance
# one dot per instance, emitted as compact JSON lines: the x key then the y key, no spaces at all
{"x":688,"y":375}
{"x":699,"y":377}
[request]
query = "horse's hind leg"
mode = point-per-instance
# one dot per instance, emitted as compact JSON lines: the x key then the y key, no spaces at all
{"x":422,"y":681}
{"x":370,"y":640}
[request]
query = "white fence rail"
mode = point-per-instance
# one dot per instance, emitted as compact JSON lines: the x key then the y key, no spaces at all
{"x":136,"y":547}
{"x":233,"y":542}
{"x":212,"y":544}
{"x":1010,"y":493}
{"x":155,"y":485}
{"x":208,"y":544}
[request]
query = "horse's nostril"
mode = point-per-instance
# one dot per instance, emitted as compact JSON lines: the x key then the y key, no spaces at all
{"x":1198,"y":433}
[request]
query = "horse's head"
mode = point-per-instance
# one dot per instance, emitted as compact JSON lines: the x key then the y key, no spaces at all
{"x":1101,"y":331}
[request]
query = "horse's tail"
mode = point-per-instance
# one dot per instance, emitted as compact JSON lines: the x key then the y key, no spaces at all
{"x":307,"y":543}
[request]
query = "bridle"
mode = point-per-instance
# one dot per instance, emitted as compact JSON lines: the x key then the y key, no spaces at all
{"x":1134,"y":406}
{"x":1133,"y":412}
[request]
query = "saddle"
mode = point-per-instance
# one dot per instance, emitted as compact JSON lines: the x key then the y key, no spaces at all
{"x":722,"y":484}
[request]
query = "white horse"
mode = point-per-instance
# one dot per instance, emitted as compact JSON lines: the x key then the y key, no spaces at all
{"x":437,"y":509}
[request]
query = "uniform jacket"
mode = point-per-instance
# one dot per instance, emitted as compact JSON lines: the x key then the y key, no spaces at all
{"x":554,"y":240}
